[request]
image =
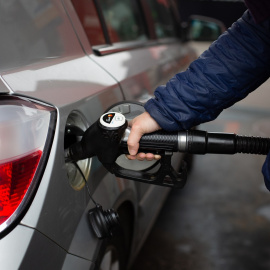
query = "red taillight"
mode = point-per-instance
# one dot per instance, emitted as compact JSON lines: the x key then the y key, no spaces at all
{"x":26,"y":132}
{"x":15,"y":178}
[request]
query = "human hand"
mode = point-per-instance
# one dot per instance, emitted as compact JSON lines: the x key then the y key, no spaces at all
{"x":266,"y":171}
{"x":141,"y":125}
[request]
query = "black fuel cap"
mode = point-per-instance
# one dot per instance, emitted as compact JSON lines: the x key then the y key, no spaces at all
{"x":103,"y":222}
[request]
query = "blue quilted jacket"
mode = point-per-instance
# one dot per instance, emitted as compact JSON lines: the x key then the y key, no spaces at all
{"x":234,"y":65}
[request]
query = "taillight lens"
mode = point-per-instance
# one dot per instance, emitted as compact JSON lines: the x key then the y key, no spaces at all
{"x":26,"y":131}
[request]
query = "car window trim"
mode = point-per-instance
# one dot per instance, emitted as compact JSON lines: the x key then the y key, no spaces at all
{"x":148,"y":20}
{"x":102,"y":22}
{"x":130,"y":45}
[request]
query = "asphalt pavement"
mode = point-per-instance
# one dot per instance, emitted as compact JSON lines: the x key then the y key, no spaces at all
{"x":221,"y":219}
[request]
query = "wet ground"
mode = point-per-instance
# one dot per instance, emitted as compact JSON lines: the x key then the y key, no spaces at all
{"x":221,"y":219}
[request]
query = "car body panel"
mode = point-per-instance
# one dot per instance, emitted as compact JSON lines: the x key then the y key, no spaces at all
{"x":64,"y":83}
{"x":32,"y":251}
{"x":141,"y":70}
{"x":47,"y":57}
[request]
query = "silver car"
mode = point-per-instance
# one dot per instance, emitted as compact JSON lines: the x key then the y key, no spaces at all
{"x":62,"y":64}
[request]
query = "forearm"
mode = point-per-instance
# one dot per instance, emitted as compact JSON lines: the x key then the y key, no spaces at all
{"x":235,"y":65}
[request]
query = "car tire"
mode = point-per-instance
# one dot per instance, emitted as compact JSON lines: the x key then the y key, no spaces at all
{"x":115,"y":254}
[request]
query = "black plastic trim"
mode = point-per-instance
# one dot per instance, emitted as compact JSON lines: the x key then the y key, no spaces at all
{"x":127,"y":46}
{"x":102,"y":22}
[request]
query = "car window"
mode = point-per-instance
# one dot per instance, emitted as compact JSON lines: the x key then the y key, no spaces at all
{"x":123,"y":20}
{"x":90,"y":21}
{"x":163,"y":18}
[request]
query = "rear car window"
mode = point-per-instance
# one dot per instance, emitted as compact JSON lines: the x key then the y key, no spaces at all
{"x":123,"y":19}
{"x":163,"y":18}
{"x":90,"y":21}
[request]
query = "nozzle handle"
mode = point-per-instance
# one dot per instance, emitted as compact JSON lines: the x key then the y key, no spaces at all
{"x":154,"y":142}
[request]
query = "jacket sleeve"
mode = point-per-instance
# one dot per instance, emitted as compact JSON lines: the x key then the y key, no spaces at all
{"x":233,"y":66}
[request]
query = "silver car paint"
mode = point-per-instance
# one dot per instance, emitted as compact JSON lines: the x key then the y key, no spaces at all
{"x":54,"y":68}
{"x":4,"y":89}
{"x":19,"y":251}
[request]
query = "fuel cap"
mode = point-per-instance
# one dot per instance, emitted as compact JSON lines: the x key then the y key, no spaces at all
{"x":103,"y":222}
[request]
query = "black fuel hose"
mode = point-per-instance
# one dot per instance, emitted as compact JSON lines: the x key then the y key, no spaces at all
{"x":202,"y":142}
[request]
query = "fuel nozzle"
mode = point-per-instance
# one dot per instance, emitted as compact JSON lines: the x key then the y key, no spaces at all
{"x":102,"y":139}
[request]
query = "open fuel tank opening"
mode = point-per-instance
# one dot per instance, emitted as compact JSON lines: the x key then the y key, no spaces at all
{"x":74,"y":130}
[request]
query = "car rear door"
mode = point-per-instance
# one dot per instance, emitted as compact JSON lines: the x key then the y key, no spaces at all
{"x":138,"y":44}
